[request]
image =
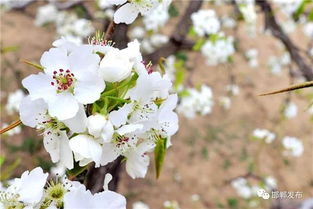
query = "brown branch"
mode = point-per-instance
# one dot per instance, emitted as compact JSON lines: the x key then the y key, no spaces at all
{"x":178,"y":39}
{"x":95,"y":176}
{"x":272,"y":24}
{"x":109,"y":30}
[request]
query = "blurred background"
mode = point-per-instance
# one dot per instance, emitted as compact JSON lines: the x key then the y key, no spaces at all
{"x":231,"y":142}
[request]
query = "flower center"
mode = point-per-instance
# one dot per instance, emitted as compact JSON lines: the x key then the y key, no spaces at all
{"x":64,"y":80}
{"x":123,"y":143}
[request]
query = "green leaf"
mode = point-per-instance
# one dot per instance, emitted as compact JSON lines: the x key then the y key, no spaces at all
{"x":35,"y":65}
{"x":232,"y":203}
{"x":75,"y":171}
{"x":159,"y":155}
{"x":7,"y":173}
{"x":198,"y":45}
{"x":8,"y":49}
{"x":300,"y":10}
{"x":2,"y":160}
{"x":173,"y":11}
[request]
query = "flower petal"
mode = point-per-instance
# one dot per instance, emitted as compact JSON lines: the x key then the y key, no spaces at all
{"x":87,"y":147}
{"x":119,"y":117}
{"x":64,"y":106}
{"x":78,"y":123}
{"x":54,"y":59}
{"x":89,"y":90}
{"x":83,"y":62}
{"x":39,"y":86}
{"x":126,"y":14}
{"x":108,"y":153}
{"x":31,"y":110}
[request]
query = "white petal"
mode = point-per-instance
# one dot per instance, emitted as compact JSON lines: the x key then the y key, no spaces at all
{"x":126,"y":129}
{"x":108,"y":153}
{"x":126,"y":14}
{"x":88,"y":90}
{"x":137,"y":162}
{"x":32,"y":186}
{"x":78,"y":198}
{"x":64,"y":106}
{"x":39,"y":86}
{"x":82,"y":62}
{"x":51,"y":142}
{"x":117,"y":2}
{"x":78,"y":123}
{"x":119,"y":117}
{"x":54,"y":59}
{"x":109,"y":200}
{"x":87,"y":147}
{"x":66,"y":155}
{"x":30,"y":110}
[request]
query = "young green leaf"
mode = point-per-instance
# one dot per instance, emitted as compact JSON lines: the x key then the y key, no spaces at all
{"x":159,"y":155}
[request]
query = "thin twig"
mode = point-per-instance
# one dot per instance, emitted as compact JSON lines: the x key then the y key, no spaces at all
{"x":11,"y":126}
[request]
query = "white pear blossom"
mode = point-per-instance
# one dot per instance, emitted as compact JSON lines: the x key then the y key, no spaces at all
{"x":218,"y":51}
{"x":33,"y":191}
{"x":68,"y":24}
{"x":82,"y":198}
{"x":129,"y":10}
{"x":56,"y":142}
{"x":137,"y":33}
{"x":290,"y":110}
{"x":225,"y":102}
{"x":67,"y":81}
{"x":265,"y":135}
{"x":233,"y":89}
{"x":228,"y":22}
{"x":140,"y":205}
{"x":157,"y":18}
{"x":46,"y":14}
{"x":308,"y":29}
{"x":242,"y":188}
{"x":293,"y":146}
{"x":14,"y":101}
{"x":252,"y":56}
{"x":25,"y":192}
{"x":196,"y":102}
{"x":205,"y":22}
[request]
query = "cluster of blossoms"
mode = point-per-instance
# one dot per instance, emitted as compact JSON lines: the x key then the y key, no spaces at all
{"x":246,"y":190}
{"x":218,"y":49}
{"x":264,"y":134}
{"x":67,"y":24}
{"x":94,"y":103}
{"x":248,"y":11}
{"x":276,"y":64}
{"x":205,"y":22}
{"x":252,"y":57}
{"x":293,"y":146}
{"x":33,"y":190}
{"x":149,"y":42}
{"x":196,"y":102}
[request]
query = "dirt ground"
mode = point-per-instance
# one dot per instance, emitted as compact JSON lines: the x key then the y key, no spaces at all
{"x":208,"y":151}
